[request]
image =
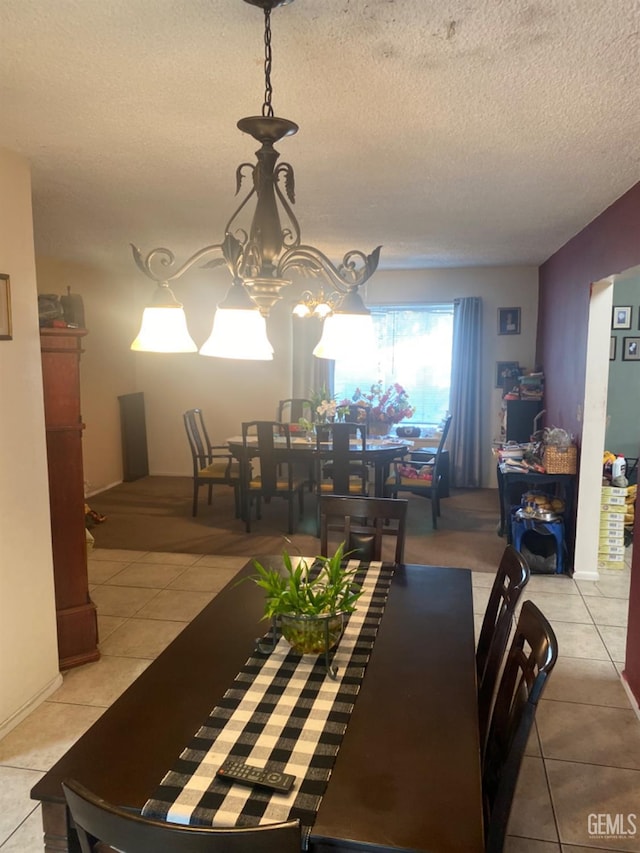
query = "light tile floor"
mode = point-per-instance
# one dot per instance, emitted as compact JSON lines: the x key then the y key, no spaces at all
{"x":583,"y":758}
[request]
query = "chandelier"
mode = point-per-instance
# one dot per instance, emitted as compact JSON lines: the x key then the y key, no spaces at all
{"x":260,"y":259}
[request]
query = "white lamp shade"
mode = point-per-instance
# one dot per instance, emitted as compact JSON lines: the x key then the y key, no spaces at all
{"x":301,"y":310}
{"x":345,"y":336}
{"x":164,"y":329}
{"x":238,"y":333}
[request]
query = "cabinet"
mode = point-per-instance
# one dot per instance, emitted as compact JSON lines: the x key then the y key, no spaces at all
{"x":75,"y":612}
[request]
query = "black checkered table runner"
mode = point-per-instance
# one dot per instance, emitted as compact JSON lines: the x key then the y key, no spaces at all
{"x":282,"y":709}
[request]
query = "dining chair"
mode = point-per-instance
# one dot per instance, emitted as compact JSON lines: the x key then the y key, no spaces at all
{"x":341,"y":467}
{"x":420,"y":478}
{"x":531,"y":658}
{"x":510,"y":580}
{"x":277,"y":477}
{"x":291,"y":410}
{"x":362,"y":523}
{"x":98,"y":823}
{"x":212,"y":463}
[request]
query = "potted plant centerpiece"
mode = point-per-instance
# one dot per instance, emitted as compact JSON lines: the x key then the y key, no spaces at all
{"x":309,"y":600}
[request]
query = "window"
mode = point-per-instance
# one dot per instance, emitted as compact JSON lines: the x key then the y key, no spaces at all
{"x":414,"y":348}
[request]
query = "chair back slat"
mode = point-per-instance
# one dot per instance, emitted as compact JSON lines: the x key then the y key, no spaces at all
{"x":531,"y":658}
{"x":98,"y":823}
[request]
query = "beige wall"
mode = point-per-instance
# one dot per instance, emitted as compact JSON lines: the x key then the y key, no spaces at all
{"x":107,"y":366}
{"x":231,"y":391}
{"x":28,"y":644}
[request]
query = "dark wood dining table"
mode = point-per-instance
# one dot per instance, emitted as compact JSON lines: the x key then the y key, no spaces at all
{"x":378,"y":452}
{"x":407,"y":775}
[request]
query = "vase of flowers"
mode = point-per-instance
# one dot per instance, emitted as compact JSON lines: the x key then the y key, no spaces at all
{"x":387,"y":406}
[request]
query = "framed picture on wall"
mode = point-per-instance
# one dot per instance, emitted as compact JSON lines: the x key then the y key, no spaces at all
{"x":506,"y":370}
{"x":5,"y":308}
{"x":621,"y":318}
{"x":612,"y":349}
{"x":508,"y":321}
{"x":631,"y":349}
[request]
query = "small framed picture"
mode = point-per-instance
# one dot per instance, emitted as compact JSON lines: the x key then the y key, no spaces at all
{"x":621,"y":318}
{"x":506,"y":370}
{"x":631,"y":349}
{"x":5,"y":308}
{"x":508,"y":321}
{"x":612,"y":349}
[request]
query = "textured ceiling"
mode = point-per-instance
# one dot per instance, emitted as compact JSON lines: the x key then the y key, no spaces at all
{"x":453,"y":132}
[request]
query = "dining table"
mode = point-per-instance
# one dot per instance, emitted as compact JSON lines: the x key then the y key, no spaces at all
{"x":379,"y":453}
{"x":406,"y":773}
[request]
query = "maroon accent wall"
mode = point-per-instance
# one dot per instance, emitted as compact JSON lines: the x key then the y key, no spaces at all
{"x":609,"y":244}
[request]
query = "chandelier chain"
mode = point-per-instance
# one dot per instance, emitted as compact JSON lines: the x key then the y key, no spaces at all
{"x":267,"y":109}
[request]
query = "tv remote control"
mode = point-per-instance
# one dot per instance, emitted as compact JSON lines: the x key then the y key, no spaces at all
{"x":246,"y":774}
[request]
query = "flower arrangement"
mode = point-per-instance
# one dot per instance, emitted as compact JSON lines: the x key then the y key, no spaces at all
{"x":388,"y":405}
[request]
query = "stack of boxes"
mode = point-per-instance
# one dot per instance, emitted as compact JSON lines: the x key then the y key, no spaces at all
{"x":612,"y":517}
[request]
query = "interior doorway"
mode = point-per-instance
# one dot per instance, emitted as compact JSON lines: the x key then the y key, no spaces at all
{"x":594,"y":417}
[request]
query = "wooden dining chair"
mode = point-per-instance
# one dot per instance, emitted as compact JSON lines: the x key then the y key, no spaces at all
{"x":510,"y":580}
{"x":411,"y":476}
{"x":341,"y":467}
{"x":531,"y":658}
{"x":362,"y":523}
{"x":277,"y":477}
{"x":291,"y":410}
{"x":99,"y":823}
{"x":212,"y":463}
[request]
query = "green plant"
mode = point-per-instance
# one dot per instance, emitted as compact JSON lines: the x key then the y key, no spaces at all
{"x":306,"y":589}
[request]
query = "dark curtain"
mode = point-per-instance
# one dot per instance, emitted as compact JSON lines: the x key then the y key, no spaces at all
{"x":466,"y":373}
{"x":309,"y":373}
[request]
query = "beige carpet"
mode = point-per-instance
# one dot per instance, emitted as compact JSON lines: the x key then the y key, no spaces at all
{"x":154,"y":514}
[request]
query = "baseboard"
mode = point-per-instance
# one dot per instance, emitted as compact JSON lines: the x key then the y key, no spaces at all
{"x":102,"y":489}
{"x":23,"y":712}
{"x":106,"y":488}
{"x":634,"y":702}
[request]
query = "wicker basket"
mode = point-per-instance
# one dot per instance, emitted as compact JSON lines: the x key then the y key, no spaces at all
{"x":560,"y":460}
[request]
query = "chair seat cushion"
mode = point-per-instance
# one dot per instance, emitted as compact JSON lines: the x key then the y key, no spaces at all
{"x":281,"y":485}
{"x":355,"y":487}
{"x":409,"y":483}
{"x":216,"y":469}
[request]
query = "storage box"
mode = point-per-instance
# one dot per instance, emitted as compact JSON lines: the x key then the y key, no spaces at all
{"x":616,"y":565}
{"x":611,"y":513}
{"x":614,"y":500}
{"x":610,"y":542}
{"x":614,"y":491}
{"x":611,"y":552}
{"x":610,"y":528}
{"x":560,"y":460}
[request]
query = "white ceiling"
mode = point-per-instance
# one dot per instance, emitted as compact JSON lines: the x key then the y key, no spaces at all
{"x":453,"y":132}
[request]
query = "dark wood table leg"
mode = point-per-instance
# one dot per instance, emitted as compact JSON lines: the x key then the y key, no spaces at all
{"x":58,"y":835}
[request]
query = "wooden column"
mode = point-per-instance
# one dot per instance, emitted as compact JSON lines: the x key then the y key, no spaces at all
{"x":76,"y":613}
